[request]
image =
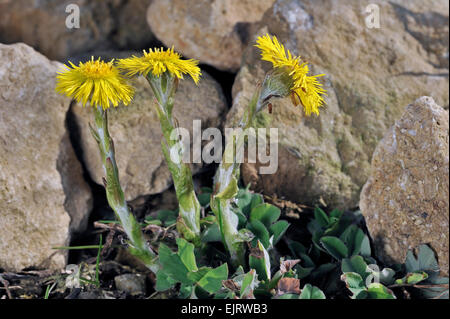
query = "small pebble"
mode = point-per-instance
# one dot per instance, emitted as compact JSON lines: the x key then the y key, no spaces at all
{"x":133,"y":284}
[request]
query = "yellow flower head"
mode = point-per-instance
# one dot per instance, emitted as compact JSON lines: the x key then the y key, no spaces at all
{"x":95,"y":81}
{"x":306,"y":88}
{"x":158,"y":61}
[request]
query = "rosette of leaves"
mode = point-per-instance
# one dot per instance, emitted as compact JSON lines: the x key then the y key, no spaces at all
{"x":334,"y":237}
{"x":181,"y":267}
{"x":419,"y":275}
{"x":257,"y":221}
{"x":262,"y":219}
{"x":365,"y":282}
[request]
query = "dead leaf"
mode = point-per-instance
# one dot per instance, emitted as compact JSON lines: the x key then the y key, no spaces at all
{"x":288,"y":286}
{"x":230,"y":284}
{"x":287,"y":265}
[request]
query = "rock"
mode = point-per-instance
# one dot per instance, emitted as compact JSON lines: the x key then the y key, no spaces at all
{"x":79,"y":200}
{"x":370,"y":75}
{"x":133,"y":284}
{"x":406,"y":199}
{"x":214,"y":32}
{"x":92,"y":294}
{"x":110,"y":24}
{"x":137,"y":135}
{"x":37,"y":164}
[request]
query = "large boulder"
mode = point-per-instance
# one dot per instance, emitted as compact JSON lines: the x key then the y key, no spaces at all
{"x":214,"y":32}
{"x":405,"y":201}
{"x":370,"y":75}
{"x":42,"y":193}
{"x":137,"y":135}
{"x":107,"y":24}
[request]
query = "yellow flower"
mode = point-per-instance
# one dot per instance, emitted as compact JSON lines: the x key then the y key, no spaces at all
{"x":158,"y":61}
{"x":97,"y":82}
{"x":306,"y":88}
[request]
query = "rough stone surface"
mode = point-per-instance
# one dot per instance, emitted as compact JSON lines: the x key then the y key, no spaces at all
{"x":34,"y":157}
{"x":108,"y":24}
{"x":133,"y":284}
{"x":214,"y":32}
{"x":405,"y":201}
{"x":79,"y":200}
{"x":371,"y":74}
{"x":137,"y":135}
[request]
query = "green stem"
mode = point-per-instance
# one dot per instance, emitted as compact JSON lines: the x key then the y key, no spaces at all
{"x":188,"y":224}
{"x":277,"y":83}
{"x":116,"y":199}
{"x":226,"y":188}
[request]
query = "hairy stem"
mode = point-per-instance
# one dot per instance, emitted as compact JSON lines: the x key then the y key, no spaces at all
{"x":137,"y":243}
{"x":226,"y":188}
{"x":188,"y":223}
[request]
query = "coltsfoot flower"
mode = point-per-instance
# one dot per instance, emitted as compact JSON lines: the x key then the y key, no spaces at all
{"x":94,"y":81}
{"x":158,"y":61}
{"x":305,"y":89}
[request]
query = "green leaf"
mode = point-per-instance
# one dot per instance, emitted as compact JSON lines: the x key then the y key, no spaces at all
{"x":355,"y":264}
{"x":172,"y":265}
{"x":186,"y":253}
{"x":314,"y":227}
{"x":336,"y":214}
{"x":186,"y":291}
{"x":315,"y":238}
{"x":306,"y":260}
{"x":412,"y":278}
{"x":303,"y":272}
{"x":260,"y":261}
{"x":249,"y":283}
{"x":212,"y":234}
{"x":427,"y":259}
{"x":152,"y":221}
{"x":365,"y":247}
{"x":212,"y":280}
{"x":333,"y":227}
{"x":195,"y":276}
{"x":296,"y":248}
{"x":334,"y":246}
{"x":260,"y":231}
{"x":353,"y":238}
{"x":242,"y":219}
{"x":167,"y":216}
{"x":321,"y":217}
{"x":163,"y":282}
{"x":435,"y":292}
{"x":206,"y":189}
{"x":278,"y":229}
{"x":378,"y":291}
{"x":265,"y":213}
{"x":245,"y":235}
{"x":257,"y":199}
{"x":230,"y":190}
{"x":244,"y":199}
{"x":311,"y":292}
{"x":354,"y":283}
{"x":204,"y":197}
